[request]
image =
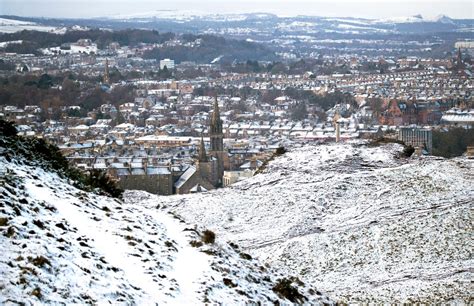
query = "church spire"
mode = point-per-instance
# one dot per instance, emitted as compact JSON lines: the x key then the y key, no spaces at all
{"x":106,"y":78}
{"x":202,"y":151}
{"x":216,"y":116}
{"x":215,"y":129}
{"x":459,"y":62}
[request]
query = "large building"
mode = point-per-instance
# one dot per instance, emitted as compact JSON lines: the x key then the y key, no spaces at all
{"x":208,"y":171}
{"x":168,"y":63}
{"x":202,"y":176}
{"x":206,"y":174}
{"x":417,"y":137}
{"x":84,"y":46}
{"x":217,"y":141}
{"x":459,"y":117}
{"x":468,"y":46}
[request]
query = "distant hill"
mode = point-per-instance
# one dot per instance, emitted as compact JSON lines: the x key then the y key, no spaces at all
{"x":289,"y":37}
{"x":208,"y":48}
{"x":198,"y":23}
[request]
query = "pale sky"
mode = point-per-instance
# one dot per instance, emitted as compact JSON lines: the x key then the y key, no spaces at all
{"x":339,"y":8}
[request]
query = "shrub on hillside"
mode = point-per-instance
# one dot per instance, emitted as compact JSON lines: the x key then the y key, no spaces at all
{"x":208,"y":236}
{"x":7,"y":129}
{"x":408,"y":151}
{"x":453,"y":142}
{"x":100,"y":179}
{"x":285,"y":289}
{"x":38,"y":152}
{"x":280,"y":151}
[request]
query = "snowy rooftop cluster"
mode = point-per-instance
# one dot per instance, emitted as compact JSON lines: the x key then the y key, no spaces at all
{"x":357,"y":222}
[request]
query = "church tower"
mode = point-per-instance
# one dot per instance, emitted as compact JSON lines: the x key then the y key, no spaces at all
{"x":215,"y":130}
{"x":459,"y":62}
{"x":208,"y":168}
{"x":106,"y":79}
{"x":217,"y":141}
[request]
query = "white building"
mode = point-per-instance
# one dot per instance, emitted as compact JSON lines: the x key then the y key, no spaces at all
{"x":84,"y":46}
{"x":168,"y":63}
{"x":84,"y":49}
{"x":417,"y":137}
{"x":230,"y":177}
{"x":464,"y":44}
{"x":463,"y":118}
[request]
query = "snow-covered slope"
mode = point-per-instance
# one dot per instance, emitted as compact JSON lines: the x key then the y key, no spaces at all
{"x":62,"y":245}
{"x":416,"y":19}
{"x":12,"y":25}
{"x":353,"y":221}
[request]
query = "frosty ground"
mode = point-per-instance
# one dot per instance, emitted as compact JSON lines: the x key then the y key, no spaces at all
{"x":352,"y":222}
{"x":357,"y":222}
{"x":61,"y":245}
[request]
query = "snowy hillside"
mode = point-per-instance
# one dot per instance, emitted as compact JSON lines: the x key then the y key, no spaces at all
{"x":63,"y":245}
{"x":354,"y":221}
{"x":416,"y":19}
{"x":12,"y":25}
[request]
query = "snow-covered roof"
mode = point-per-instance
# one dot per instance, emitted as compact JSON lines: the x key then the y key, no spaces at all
{"x":185,"y":177}
{"x":157,"y":170}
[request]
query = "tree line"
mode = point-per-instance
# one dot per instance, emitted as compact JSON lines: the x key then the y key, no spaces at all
{"x":33,"y":40}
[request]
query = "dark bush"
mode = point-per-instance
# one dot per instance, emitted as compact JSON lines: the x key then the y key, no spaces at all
{"x":37,"y":292}
{"x":453,"y":142}
{"x":38,"y":152}
{"x":3,"y":221}
{"x":40,"y":261}
{"x":100,"y":179}
{"x":285,"y":289}
{"x":208,"y":237}
{"x":7,"y":129}
{"x":229,"y":283}
{"x":195,"y":243}
{"x":408,"y":151}
{"x":245,"y":256}
{"x":280,"y":151}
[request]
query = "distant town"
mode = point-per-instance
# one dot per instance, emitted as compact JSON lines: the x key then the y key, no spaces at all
{"x":171,"y":126}
{"x":170,"y":153}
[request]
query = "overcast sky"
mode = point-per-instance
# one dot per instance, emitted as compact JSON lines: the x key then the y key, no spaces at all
{"x":340,"y":8}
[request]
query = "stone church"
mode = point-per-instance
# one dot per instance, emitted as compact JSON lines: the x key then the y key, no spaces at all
{"x":208,"y":171}
{"x":206,"y":174}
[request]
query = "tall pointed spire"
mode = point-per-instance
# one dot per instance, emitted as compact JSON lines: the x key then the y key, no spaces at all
{"x":215,"y":129}
{"x":106,"y":78}
{"x":202,"y":151}
{"x":216,"y":122}
{"x":459,"y":62}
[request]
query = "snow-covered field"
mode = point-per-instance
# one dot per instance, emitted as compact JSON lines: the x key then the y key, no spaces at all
{"x":11,"y":26}
{"x":353,"y":221}
{"x":60,"y":245}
